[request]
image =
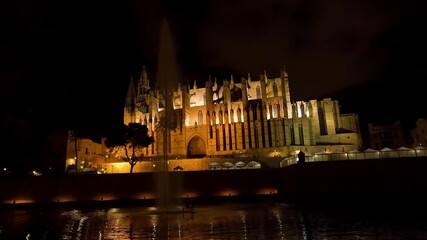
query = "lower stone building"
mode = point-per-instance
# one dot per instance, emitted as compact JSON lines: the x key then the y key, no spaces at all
{"x":86,"y":155}
{"x":419,"y":133}
{"x":386,"y":135}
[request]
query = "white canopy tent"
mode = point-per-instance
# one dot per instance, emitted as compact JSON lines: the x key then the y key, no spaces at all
{"x":421,"y":151}
{"x":338,"y":155}
{"x":371,"y":153}
{"x":253,"y":164}
{"x":240,"y":164}
{"x":406,"y":152}
{"x":227,"y":165}
{"x":355,"y":154}
{"x":213,"y":166}
{"x":389,"y":153}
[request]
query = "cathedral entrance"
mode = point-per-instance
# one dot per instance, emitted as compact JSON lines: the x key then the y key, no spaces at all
{"x":196,"y":148}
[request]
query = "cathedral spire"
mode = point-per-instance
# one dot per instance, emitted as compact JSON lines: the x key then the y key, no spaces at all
{"x":283,"y":72}
{"x":130,"y":96}
{"x":215,"y":86}
{"x":195,"y":85}
{"x":231,"y":82}
{"x":144,"y":78}
{"x":130,"y":104}
{"x":265,"y":76}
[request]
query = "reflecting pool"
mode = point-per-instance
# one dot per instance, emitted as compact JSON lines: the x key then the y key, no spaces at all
{"x":260,"y":220}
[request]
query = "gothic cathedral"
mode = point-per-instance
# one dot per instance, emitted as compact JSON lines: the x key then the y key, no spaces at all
{"x":253,"y":118}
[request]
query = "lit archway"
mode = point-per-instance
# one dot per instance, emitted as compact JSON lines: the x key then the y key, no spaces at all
{"x":196,"y":147}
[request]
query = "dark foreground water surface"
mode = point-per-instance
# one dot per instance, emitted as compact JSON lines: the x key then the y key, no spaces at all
{"x":256,"y":220}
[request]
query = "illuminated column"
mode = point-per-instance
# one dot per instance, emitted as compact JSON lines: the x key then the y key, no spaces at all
{"x":263,"y":138}
{"x":328,"y":110}
{"x":251,"y":128}
{"x":226,"y":130}
{"x":153,"y":146}
{"x":226,"y":94}
{"x":266,"y":133}
{"x":239,"y":129}
{"x":213,"y":143}
{"x":286,"y":95}
{"x":337,"y":115}
{"x":159,"y":145}
{"x":314,"y":118}
{"x":287,"y":132}
{"x":210,"y":133}
{"x":221,"y":136}
{"x":280,"y":132}
{"x":259,"y":126}
{"x":232,"y":128}
{"x":244,"y":92}
{"x":297,"y":125}
{"x":246,"y":130}
{"x":239,"y":136}
{"x":306,"y":131}
{"x":273,"y":133}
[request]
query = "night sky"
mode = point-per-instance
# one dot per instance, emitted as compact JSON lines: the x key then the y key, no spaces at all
{"x":70,"y":62}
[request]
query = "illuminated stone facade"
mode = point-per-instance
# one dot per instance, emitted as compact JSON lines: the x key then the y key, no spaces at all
{"x":90,"y":154}
{"x":250,"y":118}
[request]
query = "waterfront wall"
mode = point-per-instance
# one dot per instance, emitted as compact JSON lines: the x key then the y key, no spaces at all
{"x":137,"y":186}
{"x":386,"y":178}
{"x":392,"y":177}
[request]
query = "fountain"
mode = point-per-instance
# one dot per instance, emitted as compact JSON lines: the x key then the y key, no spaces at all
{"x":167,"y":76}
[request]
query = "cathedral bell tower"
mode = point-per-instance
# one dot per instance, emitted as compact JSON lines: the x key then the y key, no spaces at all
{"x":143,"y":89}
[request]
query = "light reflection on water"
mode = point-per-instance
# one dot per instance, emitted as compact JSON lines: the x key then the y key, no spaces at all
{"x":267,"y":220}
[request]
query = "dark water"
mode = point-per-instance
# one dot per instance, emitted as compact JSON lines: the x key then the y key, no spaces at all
{"x":261,"y":220}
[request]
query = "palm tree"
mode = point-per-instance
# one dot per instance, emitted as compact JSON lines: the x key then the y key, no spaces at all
{"x":72,"y":136}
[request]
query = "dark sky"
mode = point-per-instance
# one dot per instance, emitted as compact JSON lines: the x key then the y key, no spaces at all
{"x":70,"y":61}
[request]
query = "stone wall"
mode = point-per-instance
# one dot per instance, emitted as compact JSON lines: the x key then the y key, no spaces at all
{"x":393,"y":177}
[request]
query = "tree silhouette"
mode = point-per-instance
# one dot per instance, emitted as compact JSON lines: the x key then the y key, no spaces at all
{"x":128,"y":142}
{"x":73,"y":136}
{"x":166,"y":123}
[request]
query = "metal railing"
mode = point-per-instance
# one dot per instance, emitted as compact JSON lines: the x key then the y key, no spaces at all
{"x":356,"y":155}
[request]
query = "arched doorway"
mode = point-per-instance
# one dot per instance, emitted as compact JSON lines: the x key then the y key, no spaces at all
{"x":196,"y":148}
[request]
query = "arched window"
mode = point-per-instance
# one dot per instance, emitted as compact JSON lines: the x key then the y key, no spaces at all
{"x":275,"y":89}
{"x":258,"y":92}
{"x":200,"y":120}
{"x":275,"y":111}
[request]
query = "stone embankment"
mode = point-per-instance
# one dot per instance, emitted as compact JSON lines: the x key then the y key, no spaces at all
{"x":394,"y":178}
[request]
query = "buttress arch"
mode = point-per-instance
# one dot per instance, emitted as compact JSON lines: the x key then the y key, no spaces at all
{"x":196,"y":147}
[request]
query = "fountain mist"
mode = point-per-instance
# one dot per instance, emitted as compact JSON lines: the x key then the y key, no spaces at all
{"x":168,"y":75}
